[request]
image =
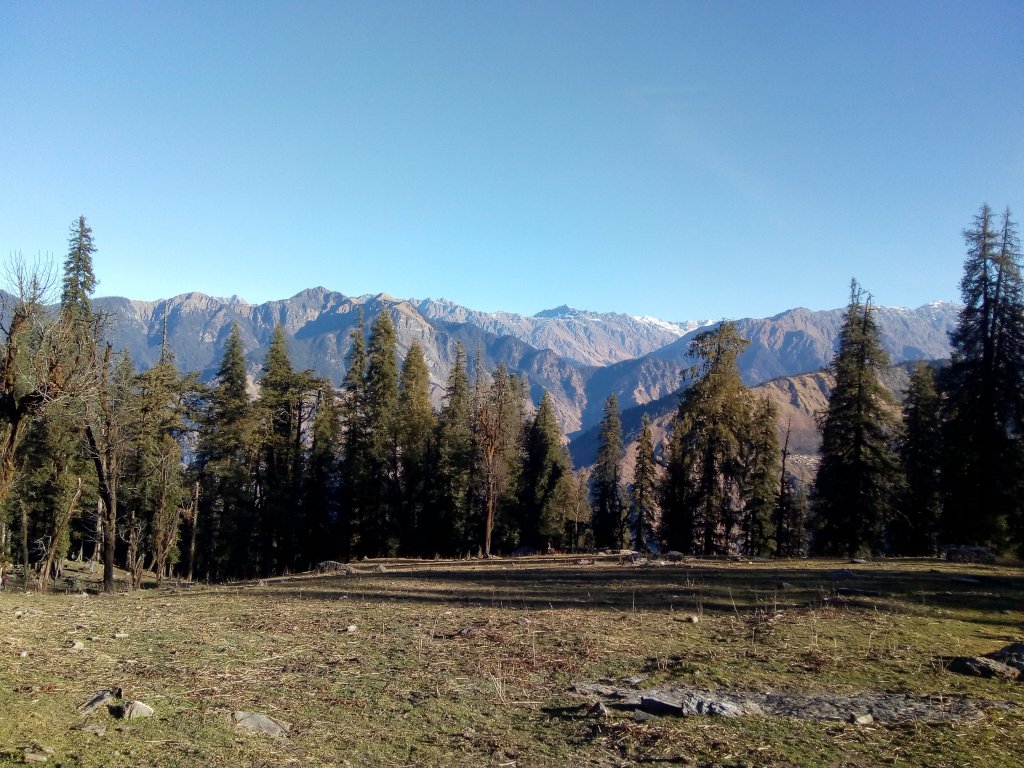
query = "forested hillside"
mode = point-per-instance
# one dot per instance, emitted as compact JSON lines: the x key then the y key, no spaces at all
{"x":324,"y":428}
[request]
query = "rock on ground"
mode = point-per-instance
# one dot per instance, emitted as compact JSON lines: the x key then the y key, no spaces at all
{"x":881,"y":707}
{"x":255,"y":721}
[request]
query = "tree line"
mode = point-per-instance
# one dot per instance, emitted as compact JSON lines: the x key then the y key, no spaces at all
{"x":157,"y":472}
{"x":944,"y":468}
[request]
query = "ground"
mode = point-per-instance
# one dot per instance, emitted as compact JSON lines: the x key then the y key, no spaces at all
{"x":473,"y":663}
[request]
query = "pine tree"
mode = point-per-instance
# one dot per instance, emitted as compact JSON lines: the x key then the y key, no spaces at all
{"x":323,"y":479}
{"x":702,"y":495}
{"x":858,"y":476}
{"x":355,"y":441}
{"x":455,"y":462}
{"x":759,"y":457}
{"x":643,"y":492}
{"x":109,"y":415}
{"x":497,"y":426}
{"x":378,"y":533}
{"x":416,"y":425}
{"x":609,"y":511}
{"x":226,"y":461}
{"x":790,"y":509}
{"x":282,"y":410}
{"x":912,"y":531}
{"x":984,"y":398}
{"x":160,"y":493}
{"x":547,"y":483}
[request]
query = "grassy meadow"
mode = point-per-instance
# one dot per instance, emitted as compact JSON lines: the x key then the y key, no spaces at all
{"x":471,"y":663}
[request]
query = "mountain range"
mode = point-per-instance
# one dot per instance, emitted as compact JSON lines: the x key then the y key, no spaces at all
{"x":579,"y":357}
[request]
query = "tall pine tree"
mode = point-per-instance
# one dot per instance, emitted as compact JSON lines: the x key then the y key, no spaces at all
{"x":609,"y":509}
{"x":416,"y":426}
{"x":984,"y":465}
{"x":858,"y":476}
{"x":702,"y":493}
{"x":226,"y":458}
{"x":913,"y":528}
{"x":644,"y":492}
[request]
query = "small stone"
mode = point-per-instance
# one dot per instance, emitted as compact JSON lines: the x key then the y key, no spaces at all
{"x":19,"y":613}
{"x":380,"y":568}
{"x":982,"y":666}
{"x":96,"y":729}
{"x":120,"y":635}
{"x":351,"y":628}
{"x":31,"y":756}
{"x":101,"y":699}
{"x":634,"y":680}
{"x":77,"y":645}
{"x":860,"y":719}
{"x":23,"y":654}
{"x":133,"y":710}
{"x":639,"y":716}
{"x":785,"y":585}
{"x":255,"y":721}
{"x":692,"y":619}
{"x":598,"y":710}
{"x":674,"y":556}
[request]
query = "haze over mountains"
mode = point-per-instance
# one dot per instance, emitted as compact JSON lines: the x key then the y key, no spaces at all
{"x":580,"y":357}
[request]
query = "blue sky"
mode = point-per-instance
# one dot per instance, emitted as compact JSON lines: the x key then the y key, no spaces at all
{"x":679,"y":159}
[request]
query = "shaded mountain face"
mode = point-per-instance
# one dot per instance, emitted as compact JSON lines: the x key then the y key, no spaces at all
{"x":579,"y":357}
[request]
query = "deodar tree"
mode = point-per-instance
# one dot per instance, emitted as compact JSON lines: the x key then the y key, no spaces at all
{"x":983,"y":469}
{"x":702,"y":502}
{"x":859,"y":474}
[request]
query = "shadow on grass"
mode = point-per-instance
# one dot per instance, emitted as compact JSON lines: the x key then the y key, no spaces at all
{"x":686,"y":588}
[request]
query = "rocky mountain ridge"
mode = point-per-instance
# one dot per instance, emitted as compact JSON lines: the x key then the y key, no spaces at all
{"x":550,"y":350}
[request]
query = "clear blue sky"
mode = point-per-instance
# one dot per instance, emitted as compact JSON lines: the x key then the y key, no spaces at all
{"x":679,"y":159}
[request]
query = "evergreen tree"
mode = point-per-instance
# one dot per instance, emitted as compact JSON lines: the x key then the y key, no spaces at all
{"x":643,"y":492}
{"x":284,"y":407}
{"x":109,"y":415}
{"x":159,"y":493}
{"x":323,"y":483}
{"x":355,"y":439}
{"x":226,"y":460}
{"x":912,"y":531}
{"x":759,"y":457}
{"x":378,"y":533}
{"x":416,"y":426}
{"x":497,"y":424}
{"x":609,"y":511}
{"x":455,"y":462}
{"x":79,"y":281}
{"x":547,"y":484}
{"x":984,"y":464}
{"x":702,"y":495}
{"x":790,"y":509}
{"x":859,"y":471}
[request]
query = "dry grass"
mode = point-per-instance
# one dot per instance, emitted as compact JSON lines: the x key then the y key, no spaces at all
{"x":470,"y":664}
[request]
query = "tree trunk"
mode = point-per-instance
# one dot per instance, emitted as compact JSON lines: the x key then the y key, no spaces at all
{"x":195,"y":527}
{"x":58,"y":534}
{"x":24,"y":543}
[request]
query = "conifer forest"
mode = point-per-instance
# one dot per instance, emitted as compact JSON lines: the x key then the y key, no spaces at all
{"x":157,"y":472}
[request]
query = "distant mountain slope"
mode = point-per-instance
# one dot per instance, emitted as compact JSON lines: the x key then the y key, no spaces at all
{"x":792,"y":342}
{"x":590,"y":338}
{"x":319,"y":323}
{"x":799,"y":400}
